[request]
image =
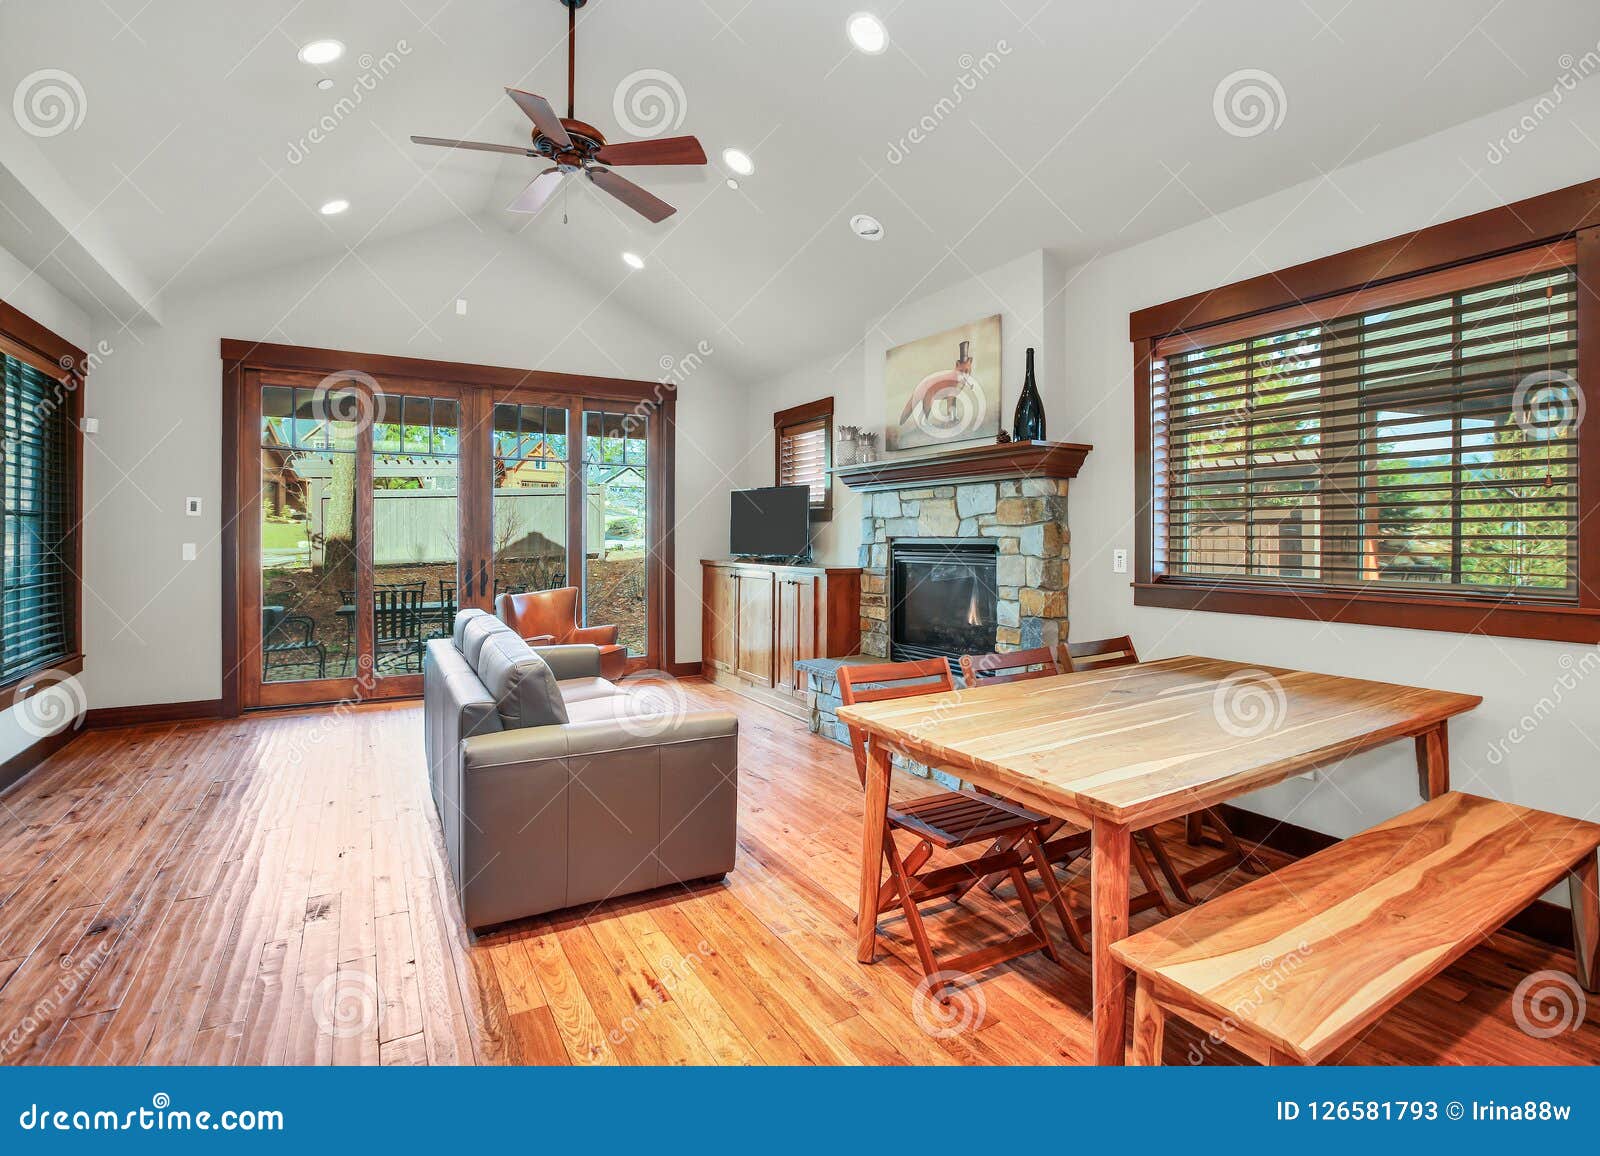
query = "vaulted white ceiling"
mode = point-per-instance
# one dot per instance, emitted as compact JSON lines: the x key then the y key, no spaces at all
{"x":1042,"y":123}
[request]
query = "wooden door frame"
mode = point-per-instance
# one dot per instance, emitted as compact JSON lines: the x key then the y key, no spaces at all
{"x":241,"y":490}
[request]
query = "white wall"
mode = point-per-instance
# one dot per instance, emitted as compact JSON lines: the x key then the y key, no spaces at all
{"x":152,"y":621}
{"x":28,"y":292}
{"x":1557,"y":764}
{"x":1019,"y":291}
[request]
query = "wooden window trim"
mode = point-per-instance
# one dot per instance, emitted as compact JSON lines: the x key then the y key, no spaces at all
{"x":1371,"y":271}
{"x":25,"y":339}
{"x":784,"y":419}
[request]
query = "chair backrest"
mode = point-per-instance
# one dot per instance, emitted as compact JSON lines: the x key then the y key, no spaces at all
{"x":535,"y":612}
{"x":885,"y":680}
{"x":1010,"y":666}
{"x":1101,"y":654}
{"x":397,"y":610}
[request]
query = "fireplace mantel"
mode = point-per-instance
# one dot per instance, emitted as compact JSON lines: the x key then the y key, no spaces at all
{"x":974,"y":463}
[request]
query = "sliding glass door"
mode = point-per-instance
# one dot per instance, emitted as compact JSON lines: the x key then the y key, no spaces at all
{"x":384,"y":507}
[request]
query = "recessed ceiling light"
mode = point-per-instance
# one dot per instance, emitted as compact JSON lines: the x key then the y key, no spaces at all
{"x":739,"y":161}
{"x":321,"y":52}
{"x":325,"y":83}
{"x":732,"y":184}
{"x":868,"y":228}
{"x":334,"y":207}
{"x":633,"y":260}
{"x":867,"y":33}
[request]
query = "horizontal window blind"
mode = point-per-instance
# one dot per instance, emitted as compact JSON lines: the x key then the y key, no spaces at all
{"x":1425,"y":442}
{"x":38,"y":611}
{"x":803,"y":457}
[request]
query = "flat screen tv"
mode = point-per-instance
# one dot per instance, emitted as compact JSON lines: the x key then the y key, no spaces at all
{"x":773,"y":522}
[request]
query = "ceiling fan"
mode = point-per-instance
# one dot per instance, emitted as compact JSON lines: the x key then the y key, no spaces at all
{"x":576,"y":147}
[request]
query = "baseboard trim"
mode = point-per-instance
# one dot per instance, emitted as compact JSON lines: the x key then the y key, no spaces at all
{"x":19,"y":764}
{"x":1547,"y":922}
{"x":684,"y":669}
{"x":155,"y":712}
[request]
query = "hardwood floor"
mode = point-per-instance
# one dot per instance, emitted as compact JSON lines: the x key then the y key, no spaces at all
{"x":272,"y":890}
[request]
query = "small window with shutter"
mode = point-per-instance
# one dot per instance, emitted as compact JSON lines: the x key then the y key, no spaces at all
{"x":803,"y":446}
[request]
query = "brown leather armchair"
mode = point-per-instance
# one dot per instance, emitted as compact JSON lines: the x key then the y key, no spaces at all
{"x":550,"y":618}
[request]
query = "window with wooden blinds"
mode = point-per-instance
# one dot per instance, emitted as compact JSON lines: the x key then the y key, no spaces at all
{"x":38,"y":589}
{"x":803,"y":444}
{"x":1422,"y":438}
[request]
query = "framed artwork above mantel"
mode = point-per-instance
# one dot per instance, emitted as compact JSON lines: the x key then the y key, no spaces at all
{"x":943,"y":390}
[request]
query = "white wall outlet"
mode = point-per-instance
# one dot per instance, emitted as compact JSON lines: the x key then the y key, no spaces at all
{"x":1119,"y":561}
{"x":89,"y":425}
{"x":190,"y":553}
{"x":191,"y":507}
{"x":461,"y":306}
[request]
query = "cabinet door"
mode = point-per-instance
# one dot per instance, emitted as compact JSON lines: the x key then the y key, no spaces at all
{"x":755,"y":627}
{"x":720,"y":623}
{"x":796,"y":636}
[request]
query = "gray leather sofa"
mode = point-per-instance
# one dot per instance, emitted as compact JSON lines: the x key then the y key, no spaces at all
{"x":556,"y":787}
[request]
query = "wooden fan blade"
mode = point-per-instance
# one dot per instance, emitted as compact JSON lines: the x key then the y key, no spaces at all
{"x":647,"y":205}
{"x":672,"y":150}
{"x":543,"y":116}
{"x":539,"y":190}
{"x":479,"y":146}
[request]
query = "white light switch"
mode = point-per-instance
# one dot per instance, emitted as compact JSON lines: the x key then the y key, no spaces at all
{"x":1119,"y":561}
{"x":89,"y":425}
{"x":191,"y":507}
{"x":461,"y":306}
{"x":189,"y":552}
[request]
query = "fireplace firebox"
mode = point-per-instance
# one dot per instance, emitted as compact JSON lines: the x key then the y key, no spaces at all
{"x":943,"y":598}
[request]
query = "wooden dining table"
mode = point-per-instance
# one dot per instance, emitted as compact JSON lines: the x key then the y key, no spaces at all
{"x":1122,"y":749}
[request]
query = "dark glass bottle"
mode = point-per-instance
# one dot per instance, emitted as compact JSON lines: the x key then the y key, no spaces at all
{"x":1028,"y":424}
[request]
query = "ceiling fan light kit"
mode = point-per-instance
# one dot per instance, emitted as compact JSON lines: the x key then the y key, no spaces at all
{"x":571,"y":146}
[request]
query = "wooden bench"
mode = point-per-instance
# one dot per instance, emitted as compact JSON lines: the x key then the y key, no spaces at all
{"x":1291,"y":966}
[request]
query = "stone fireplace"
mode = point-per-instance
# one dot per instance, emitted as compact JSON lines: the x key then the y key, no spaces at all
{"x":942,"y":598}
{"x":1024,"y":519}
{"x":961,"y":553}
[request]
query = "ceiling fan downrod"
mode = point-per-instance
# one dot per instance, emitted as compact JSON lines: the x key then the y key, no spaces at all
{"x":572,"y":50}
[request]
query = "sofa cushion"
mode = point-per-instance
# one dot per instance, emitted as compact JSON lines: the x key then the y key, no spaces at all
{"x":480,"y":630}
{"x":576,"y":690}
{"x":519,"y":681}
{"x":458,"y":631}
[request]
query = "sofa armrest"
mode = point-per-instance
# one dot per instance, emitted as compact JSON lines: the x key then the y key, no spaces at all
{"x":559,"y":740}
{"x":571,"y":661}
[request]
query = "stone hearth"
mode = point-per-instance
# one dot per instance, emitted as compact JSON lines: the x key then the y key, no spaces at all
{"x":1026,"y":517}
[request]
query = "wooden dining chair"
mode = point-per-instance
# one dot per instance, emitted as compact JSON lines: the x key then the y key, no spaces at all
{"x":1040,"y":662}
{"x":1106,"y":654}
{"x":946,"y":821}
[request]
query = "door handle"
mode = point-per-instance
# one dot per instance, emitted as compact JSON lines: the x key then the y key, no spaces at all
{"x":483,"y":578}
